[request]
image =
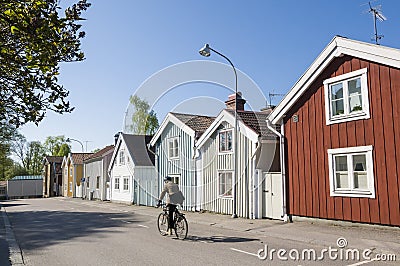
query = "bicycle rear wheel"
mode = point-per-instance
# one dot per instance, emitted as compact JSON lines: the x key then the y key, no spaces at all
{"x":162,"y":224}
{"x":181,"y":227}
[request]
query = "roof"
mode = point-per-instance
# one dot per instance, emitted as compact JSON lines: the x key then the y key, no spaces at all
{"x":199,"y":123}
{"x":77,"y":158}
{"x":137,"y":148}
{"x":27,"y":177}
{"x":251,"y":124}
{"x":257,"y":121}
{"x":339,"y":46}
{"x":100,"y":153}
{"x":54,"y":159}
{"x":193,"y":125}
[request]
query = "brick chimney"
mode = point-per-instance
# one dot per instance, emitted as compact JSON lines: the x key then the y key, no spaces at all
{"x":230,"y":103}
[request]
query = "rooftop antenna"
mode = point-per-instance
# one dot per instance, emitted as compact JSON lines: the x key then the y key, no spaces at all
{"x":376,"y":14}
{"x":271,"y":95}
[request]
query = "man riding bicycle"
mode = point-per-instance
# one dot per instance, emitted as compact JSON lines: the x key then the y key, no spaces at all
{"x":175,"y":197}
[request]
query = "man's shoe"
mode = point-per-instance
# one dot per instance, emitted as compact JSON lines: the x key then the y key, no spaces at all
{"x":170,"y":232}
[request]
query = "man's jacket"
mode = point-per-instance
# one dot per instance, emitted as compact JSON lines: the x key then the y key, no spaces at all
{"x":175,"y":195}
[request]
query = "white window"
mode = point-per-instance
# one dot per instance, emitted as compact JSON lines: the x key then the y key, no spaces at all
{"x":225,"y":141}
{"x":126,"y":183}
{"x":70,"y":186}
{"x":346,"y":97}
{"x":351,"y":172}
{"x":98,"y":182}
{"x":173,"y":148}
{"x":116,"y":184}
{"x":225,"y":184}
{"x":121,"y":157}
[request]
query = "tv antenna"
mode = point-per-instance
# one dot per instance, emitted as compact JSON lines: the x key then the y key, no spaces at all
{"x":271,"y":95}
{"x":376,"y":15}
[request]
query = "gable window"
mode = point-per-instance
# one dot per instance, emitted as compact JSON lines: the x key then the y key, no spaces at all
{"x":116,"y":184}
{"x":126,"y":183}
{"x":173,"y":148}
{"x":225,"y":184}
{"x":98,"y":182}
{"x":351,"y":172}
{"x":225,"y":141}
{"x":346,"y":97}
{"x":121,"y":157}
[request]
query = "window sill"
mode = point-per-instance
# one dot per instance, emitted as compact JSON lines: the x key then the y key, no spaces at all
{"x":225,"y":197}
{"x":352,"y":194}
{"x":347,"y":118}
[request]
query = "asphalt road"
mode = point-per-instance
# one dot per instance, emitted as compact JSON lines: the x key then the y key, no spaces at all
{"x":59,"y":231}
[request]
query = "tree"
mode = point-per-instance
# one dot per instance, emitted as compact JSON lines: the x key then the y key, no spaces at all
{"x":34,"y":39}
{"x":143,"y":121}
{"x":7,"y":135}
{"x":56,"y":146}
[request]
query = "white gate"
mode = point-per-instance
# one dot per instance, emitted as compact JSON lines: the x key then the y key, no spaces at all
{"x":272,"y":195}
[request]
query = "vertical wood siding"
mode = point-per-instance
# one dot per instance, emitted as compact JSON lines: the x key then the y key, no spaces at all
{"x":184,"y":166}
{"x":309,"y":139}
{"x":213,"y":163}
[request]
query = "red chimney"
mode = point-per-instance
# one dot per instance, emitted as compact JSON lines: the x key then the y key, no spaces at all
{"x":230,"y":103}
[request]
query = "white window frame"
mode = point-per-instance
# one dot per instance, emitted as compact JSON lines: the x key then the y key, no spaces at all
{"x":220,"y":193}
{"x":125,"y":184}
{"x":347,"y":115}
{"x":226,"y":141}
{"x":121,"y":156}
{"x":98,"y":182}
{"x":351,"y":191}
{"x":175,"y":178}
{"x":175,"y":149}
{"x":117,"y":183}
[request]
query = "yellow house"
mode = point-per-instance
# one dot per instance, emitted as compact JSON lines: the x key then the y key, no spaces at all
{"x":72,"y":169}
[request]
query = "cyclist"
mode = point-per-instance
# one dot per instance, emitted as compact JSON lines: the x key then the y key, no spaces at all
{"x":175,"y":197}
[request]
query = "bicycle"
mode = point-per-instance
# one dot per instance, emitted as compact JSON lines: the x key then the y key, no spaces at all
{"x":181,"y":227}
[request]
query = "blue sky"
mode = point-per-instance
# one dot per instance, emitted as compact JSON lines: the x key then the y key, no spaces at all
{"x":127,"y":42}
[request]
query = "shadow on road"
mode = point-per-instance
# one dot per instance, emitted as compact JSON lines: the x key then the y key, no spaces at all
{"x":37,"y":229}
{"x":221,"y":239}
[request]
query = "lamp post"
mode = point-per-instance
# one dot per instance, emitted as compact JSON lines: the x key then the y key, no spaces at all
{"x":205,"y":51}
{"x":69,"y":140}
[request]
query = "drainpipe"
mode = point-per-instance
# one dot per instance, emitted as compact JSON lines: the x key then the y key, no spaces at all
{"x":254,"y":173}
{"x":282,"y":161}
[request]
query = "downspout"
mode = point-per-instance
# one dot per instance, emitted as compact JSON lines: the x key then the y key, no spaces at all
{"x":282,"y":161}
{"x":254,"y":173}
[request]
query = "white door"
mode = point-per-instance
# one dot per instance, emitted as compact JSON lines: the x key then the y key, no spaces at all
{"x":272,"y":195}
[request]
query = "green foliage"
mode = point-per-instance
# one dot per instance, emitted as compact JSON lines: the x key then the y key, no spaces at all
{"x":64,"y":150}
{"x":56,"y":145}
{"x":7,"y":134}
{"x":34,"y":39}
{"x":143,"y":121}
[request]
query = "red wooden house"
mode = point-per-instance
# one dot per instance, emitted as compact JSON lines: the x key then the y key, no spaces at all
{"x":340,"y":127}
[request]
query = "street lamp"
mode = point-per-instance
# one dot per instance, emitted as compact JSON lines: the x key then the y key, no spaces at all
{"x":69,"y":140}
{"x":206,"y":51}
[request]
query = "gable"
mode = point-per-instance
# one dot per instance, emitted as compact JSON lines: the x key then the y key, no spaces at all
{"x":337,"y":48}
{"x":226,"y":119}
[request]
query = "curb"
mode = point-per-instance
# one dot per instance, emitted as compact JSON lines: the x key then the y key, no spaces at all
{"x":13,"y":247}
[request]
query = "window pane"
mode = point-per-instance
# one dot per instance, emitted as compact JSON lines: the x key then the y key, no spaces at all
{"x":355,"y":103}
{"x":341,"y":163}
{"x":222,"y":139}
{"x":360,"y":180}
{"x":337,"y":91}
{"x":229,"y":140}
{"x":337,"y":107}
{"x":359,"y":162}
{"x":354,"y":86}
{"x":342,"y":180}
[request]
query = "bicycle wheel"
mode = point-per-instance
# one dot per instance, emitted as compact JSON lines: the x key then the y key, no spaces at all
{"x":181,"y":227}
{"x":162,"y":224}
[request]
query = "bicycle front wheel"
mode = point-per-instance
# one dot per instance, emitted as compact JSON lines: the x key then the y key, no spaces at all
{"x":162,"y":224}
{"x":181,"y":227}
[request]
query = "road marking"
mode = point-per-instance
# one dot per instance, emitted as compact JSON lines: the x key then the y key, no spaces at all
{"x":362,"y":262}
{"x":245,"y":252}
{"x":141,"y":225}
{"x":126,"y":222}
